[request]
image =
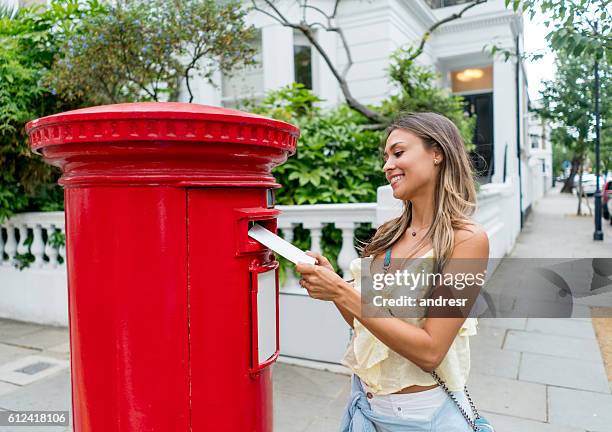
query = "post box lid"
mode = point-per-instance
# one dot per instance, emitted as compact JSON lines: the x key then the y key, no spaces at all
{"x":168,"y":121}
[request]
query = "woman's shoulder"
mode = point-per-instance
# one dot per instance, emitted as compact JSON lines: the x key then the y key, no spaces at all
{"x":470,"y":230}
{"x":472,"y":236}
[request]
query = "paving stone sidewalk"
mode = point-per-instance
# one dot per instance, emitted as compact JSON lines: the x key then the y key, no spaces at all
{"x":528,"y":375}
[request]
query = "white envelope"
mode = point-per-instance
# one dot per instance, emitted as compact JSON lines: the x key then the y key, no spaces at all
{"x":280,"y":245}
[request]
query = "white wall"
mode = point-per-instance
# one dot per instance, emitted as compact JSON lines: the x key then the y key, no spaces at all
{"x":34,"y":295}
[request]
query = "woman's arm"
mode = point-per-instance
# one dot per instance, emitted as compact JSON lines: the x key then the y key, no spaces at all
{"x":322,"y":261}
{"x":426,"y":346}
{"x":346,"y":314}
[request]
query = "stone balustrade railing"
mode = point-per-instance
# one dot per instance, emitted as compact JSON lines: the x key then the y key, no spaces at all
{"x":41,"y":228}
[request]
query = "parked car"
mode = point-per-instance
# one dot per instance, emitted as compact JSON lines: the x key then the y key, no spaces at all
{"x":588,"y":183}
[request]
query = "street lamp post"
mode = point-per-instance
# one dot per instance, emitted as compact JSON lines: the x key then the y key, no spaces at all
{"x":598,"y":233}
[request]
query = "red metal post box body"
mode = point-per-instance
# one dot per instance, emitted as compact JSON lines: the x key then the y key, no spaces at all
{"x":164,"y":284}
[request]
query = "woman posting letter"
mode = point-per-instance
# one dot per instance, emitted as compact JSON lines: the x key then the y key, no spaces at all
{"x":393,"y":387}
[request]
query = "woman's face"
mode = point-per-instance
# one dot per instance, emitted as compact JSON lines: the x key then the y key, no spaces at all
{"x":409,"y":166}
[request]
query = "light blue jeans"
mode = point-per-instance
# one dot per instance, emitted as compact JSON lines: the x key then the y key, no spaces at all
{"x":359,"y":417}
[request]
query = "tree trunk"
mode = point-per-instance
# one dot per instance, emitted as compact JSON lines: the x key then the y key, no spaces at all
{"x":568,"y":186}
{"x":581,"y":191}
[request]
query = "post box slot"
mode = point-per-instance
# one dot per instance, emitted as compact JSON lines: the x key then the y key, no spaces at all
{"x":246,"y":219}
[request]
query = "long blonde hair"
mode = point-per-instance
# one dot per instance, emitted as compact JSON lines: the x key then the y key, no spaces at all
{"x":454,"y":195}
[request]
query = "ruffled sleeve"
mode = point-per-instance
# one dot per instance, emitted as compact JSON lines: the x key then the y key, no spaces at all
{"x":469,"y":327}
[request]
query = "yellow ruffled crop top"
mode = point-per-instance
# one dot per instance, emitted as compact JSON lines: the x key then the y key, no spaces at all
{"x":385,"y":372}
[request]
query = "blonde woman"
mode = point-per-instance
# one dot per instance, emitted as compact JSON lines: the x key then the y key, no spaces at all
{"x":392,"y":358}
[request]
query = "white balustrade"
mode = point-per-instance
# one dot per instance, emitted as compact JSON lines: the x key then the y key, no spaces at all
{"x":43,"y":226}
{"x":314,"y":217}
{"x":11,"y":243}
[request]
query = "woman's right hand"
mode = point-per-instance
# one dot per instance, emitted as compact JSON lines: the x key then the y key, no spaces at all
{"x":321,"y":260}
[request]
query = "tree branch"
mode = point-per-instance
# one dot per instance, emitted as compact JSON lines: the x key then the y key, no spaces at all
{"x":446,"y":20}
{"x":306,"y":29}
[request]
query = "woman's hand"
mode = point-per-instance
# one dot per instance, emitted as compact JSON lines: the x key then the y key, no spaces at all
{"x":320,"y":280}
{"x":321,"y":260}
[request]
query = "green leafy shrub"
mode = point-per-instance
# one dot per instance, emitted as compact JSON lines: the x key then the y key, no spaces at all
{"x":338,"y":160}
{"x":30,"y":39}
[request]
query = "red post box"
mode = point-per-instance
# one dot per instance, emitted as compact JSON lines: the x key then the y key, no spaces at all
{"x":173,"y":308}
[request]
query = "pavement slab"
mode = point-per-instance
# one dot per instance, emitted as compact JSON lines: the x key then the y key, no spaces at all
{"x":508,"y":397}
{"x":564,"y":372}
{"x":561,"y":346}
{"x":581,"y":409}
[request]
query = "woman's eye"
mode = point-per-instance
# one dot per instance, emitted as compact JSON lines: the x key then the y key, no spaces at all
{"x":398,"y":154}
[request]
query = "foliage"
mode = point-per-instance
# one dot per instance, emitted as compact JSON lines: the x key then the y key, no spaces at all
{"x":141,"y":49}
{"x":579,"y":27}
{"x":337,"y":159}
{"x":568,"y":102}
{"x":418,"y":92}
{"x":29,"y":40}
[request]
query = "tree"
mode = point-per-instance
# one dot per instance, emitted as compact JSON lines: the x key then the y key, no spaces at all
{"x":568,"y":102}
{"x":29,"y":40}
{"x":578,"y":27}
{"x":141,"y":50}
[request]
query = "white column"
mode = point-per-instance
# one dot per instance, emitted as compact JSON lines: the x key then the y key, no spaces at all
{"x":38,"y":246}
{"x":1,"y":247}
{"x":277,"y":43}
{"x":347,"y":252}
{"x":11,"y":243}
{"x":315,"y":235}
{"x":325,"y":85}
{"x":291,"y":280}
{"x":22,"y":249}
{"x":504,"y":118}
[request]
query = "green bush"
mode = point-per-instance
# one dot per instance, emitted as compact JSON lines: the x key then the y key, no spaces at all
{"x":337,"y":159}
{"x":30,"y":39}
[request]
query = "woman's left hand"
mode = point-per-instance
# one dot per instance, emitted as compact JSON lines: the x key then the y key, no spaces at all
{"x":320,"y":282}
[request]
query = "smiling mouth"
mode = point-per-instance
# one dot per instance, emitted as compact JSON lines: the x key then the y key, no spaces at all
{"x":396,"y":179}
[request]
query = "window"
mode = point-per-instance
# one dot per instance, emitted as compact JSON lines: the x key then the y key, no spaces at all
{"x":247,"y":83}
{"x":302,"y":60}
{"x":535,"y":139}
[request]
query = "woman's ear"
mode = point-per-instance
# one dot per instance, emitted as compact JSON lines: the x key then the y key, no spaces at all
{"x":438,"y":157}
